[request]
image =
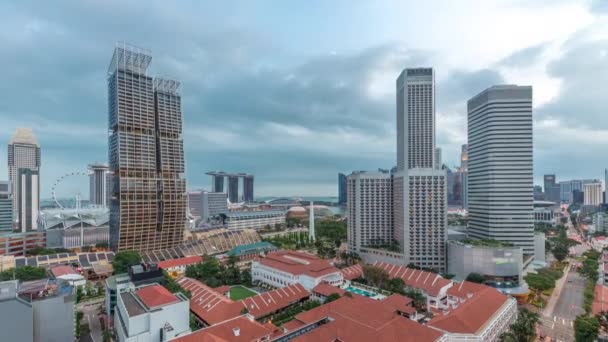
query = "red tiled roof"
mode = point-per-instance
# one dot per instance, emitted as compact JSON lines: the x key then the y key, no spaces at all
{"x":248,"y":331}
{"x":212,"y":307}
{"x":430,"y":283}
{"x":362,"y":319}
{"x":155,"y":295}
{"x":293,"y":325}
{"x":465,"y":289}
{"x":222,"y":289}
{"x":324,"y":289}
{"x":61,"y":270}
{"x":209,"y":305}
{"x":600,"y":299}
{"x":268,"y":302}
{"x":472,"y":313}
{"x":189,"y":260}
{"x":297,"y":263}
{"x":352,"y":272}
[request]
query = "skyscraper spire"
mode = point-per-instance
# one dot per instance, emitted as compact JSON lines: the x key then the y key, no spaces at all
{"x":311,"y":222}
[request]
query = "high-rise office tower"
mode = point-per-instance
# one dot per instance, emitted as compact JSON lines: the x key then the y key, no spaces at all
{"x":98,"y":191}
{"x":233,"y":189}
{"x":23,"y":153}
{"x":248,"y":188}
{"x":370,"y":210}
{"x":416,"y":119}
{"x":342,"y":184}
{"x":6,"y":207}
{"x":592,"y":193}
{"x":148,"y":209}
{"x":28,"y":199}
{"x":419,"y":185}
{"x":501,"y":199}
{"x":551,"y":188}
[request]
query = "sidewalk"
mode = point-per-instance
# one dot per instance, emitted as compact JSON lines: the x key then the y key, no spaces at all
{"x":548,"y":311}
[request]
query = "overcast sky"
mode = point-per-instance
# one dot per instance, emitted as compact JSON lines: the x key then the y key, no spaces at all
{"x":297,"y":91}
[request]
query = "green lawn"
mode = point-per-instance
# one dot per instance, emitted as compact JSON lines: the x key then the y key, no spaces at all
{"x":239,"y":292}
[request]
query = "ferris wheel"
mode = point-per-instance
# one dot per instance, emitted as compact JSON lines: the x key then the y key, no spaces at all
{"x":61,"y":180}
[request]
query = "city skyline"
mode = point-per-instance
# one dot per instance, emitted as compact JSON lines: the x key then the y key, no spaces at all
{"x":333,"y":101}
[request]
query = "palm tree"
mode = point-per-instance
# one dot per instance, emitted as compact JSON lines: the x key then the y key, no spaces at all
{"x":523,"y":329}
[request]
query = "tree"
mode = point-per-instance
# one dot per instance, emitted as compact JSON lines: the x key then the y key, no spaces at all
{"x":396,"y":285}
{"x":523,"y":329}
{"x":375,"y":275}
{"x":560,"y":252}
{"x":24,"y":273}
{"x":586,"y":328}
{"x":476,"y":278}
{"x":122,"y":261}
{"x":332,"y":297}
{"x":418,"y":298}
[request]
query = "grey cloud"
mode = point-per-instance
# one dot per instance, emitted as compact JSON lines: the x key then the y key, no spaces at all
{"x":582,"y":97}
{"x":524,"y":57}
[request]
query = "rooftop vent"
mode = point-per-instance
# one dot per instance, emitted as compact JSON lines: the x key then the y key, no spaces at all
{"x":236,"y":331}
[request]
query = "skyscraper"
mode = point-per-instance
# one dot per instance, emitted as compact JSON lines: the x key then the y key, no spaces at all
{"x":23,"y":153}
{"x":217,"y":183}
{"x":342,"y":184}
{"x":419,"y":185}
{"x":416,"y":119}
{"x":6,"y":207}
{"x":464,"y":175}
{"x":551,"y":188}
{"x":233,"y":189}
{"x":28,"y":198}
{"x":438,"y":160}
{"x":370,"y":210}
{"x":500,"y":184}
{"x":605,"y":186}
{"x":148,"y":209}
{"x":98,"y":183}
{"x":248,"y":188}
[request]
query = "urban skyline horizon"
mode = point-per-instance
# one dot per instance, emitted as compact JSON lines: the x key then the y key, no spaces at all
{"x":305,"y":104}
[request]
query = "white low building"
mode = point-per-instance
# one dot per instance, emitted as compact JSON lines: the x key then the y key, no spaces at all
{"x":283,"y":268}
{"x":253,"y":219}
{"x":68,"y":274}
{"x":151,"y":313}
{"x":476,"y":313}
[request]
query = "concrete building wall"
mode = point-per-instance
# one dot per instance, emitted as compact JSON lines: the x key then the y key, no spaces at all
{"x":17,"y":320}
{"x":54,"y":319}
{"x":489,"y":261}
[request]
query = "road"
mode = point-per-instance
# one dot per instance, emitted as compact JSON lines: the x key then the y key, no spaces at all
{"x":570,"y":302}
{"x":92,"y":319}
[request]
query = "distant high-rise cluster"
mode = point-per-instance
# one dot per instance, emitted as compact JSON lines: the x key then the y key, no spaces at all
{"x":23,"y":172}
{"x":217,"y":185}
{"x":146,"y":155}
{"x":500,"y":180}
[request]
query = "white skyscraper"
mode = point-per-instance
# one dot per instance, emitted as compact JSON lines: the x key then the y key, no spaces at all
{"x":500,"y":183}
{"x":419,"y":185}
{"x":592,"y":193}
{"x":23,"y":153}
{"x":98,"y":183}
